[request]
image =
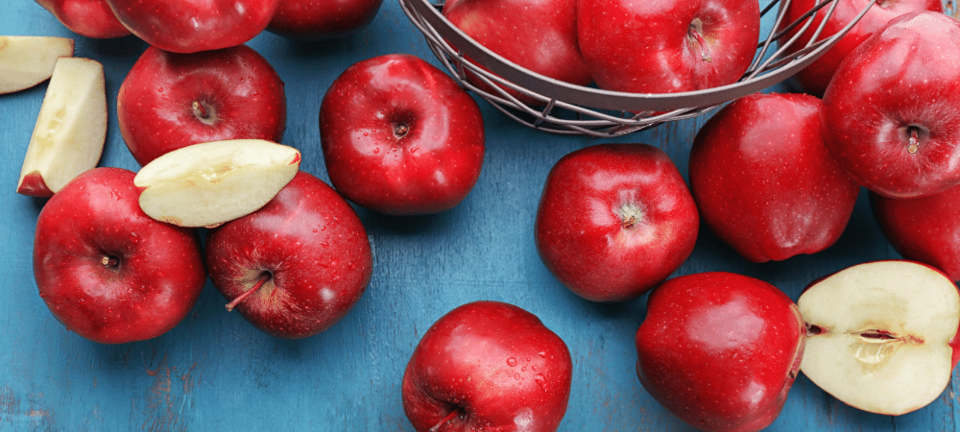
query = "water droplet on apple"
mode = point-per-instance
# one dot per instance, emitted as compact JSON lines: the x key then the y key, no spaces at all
{"x":511,"y":362}
{"x":543,"y":354}
{"x":542,"y":381}
{"x":516,"y":376}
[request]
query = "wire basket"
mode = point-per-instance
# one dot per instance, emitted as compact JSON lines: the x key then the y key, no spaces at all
{"x":580,"y":110}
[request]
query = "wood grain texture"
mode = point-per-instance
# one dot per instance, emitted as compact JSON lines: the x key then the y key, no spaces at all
{"x":214,"y":372}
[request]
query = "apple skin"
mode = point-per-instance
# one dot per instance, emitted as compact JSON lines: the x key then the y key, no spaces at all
{"x":651,"y":47}
{"x":313,"y":248}
{"x":169,"y":100}
{"x":923,"y":229}
{"x":814,"y":77}
{"x":106,"y":270}
{"x":542,"y":39}
{"x":488,"y":366}
{"x":720,"y":350}
{"x":313,"y":20}
{"x":764,"y":180}
{"x":614,"y":220}
{"x":889,"y":113}
{"x":186,"y":26}
{"x":90,"y":18}
{"x":400,"y":137}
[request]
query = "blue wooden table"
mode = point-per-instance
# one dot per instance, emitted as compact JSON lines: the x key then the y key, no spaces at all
{"x":215,"y":372}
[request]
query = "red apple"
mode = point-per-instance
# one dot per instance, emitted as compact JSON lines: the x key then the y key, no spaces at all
{"x":296,"y":266}
{"x":814,"y":78}
{"x":185,"y":26}
{"x":890,"y":113}
{"x":313,"y":20}
{"x":539,"y":35}
{"x":923,"y":229}
{"x":614,"y":220}
{"x":882,"y":336}
{"x":487,"y":366}
{"x":90,"y":18}
{"x":667,"y":46}
{"x":169,"y":100}
{"x":764,"y":181}
{"x":400,"y":137}
{"x":106,"y":270}
{"x":720,"y":350}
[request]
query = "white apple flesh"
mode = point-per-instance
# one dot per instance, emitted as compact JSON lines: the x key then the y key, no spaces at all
{"x":208,"y":184}
{"x":26,"y":61}
{"x":71,"y":128}
{"x":881,"y":335}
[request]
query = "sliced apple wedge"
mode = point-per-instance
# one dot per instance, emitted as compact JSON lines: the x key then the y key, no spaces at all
{"x":881,"y":336}
{"x":71,"y":128}
{"x":208,"y":184}
{"x":26,"y":61}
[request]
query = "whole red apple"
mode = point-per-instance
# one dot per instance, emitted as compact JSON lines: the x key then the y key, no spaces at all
{"x":539,"y":35}
{"x":186,"y":26}
{"x":720,"y":350}
{"x":667,"y":46}
{"x":169,"y":100}
{"x":814,"y":77}
{"x":614,"y":220}
{"x":765,"y":182}
{"x":890,"y":113}
{"x":487,"y":366}
{"x":90,"y":18}
{"x":313,"y":20}
{"x":400,"y":137}
{"x":106,"y":270}
{"x":296,"y":266}
{"x":923,"y":229}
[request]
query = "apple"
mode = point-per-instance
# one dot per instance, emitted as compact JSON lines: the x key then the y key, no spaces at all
{"x":296,"y":266}
{"x":207,"y":184}
{"x":400,"y":137}
{"x":882,"y":335}
{"x":814,"y":77}
{"x":889,"y":113}
{"x":614,"y":220}
{"x":106,"y":270}
{"x":90,"y":18}
{"x":313,"y":20}
{"x":487,"y":365}
{"x":667,"y":46}
{"x":539,"y":35}
{"x":26,"y":61}
{"x":71,"y":128}
{"x":764,"y":180}
{"x":720,"y":350}
{"x":923,"y":229}
{"x":185,"y":26}
{"x":170,"y":100}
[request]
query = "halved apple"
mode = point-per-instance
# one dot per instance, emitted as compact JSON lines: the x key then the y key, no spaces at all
{"x":71,"y":128}
{"x":26,"y":61}
{"x":881,"y":335}
{"x":208,"y":184}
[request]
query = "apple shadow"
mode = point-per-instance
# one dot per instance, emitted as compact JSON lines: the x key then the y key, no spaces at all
{"x":407,"y":225}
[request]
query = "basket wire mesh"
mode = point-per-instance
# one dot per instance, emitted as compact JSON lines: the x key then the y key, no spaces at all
{"x":579,"y":110}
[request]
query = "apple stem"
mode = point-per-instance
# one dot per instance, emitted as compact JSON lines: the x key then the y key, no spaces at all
{"x":263,"y":279}
{"x":199,"y":110}
{"x":914,"y":145}
{"x":696,"y":32}
{"x":401,"y":130}
{"x":446,"y":419}
{"x":109,"y":261}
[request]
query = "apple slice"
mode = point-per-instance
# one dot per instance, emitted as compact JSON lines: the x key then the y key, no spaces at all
{"x":880,"y":335}
{"x":208,"y":184}
{"x":26,"y":61}
{"x":71,"y":128}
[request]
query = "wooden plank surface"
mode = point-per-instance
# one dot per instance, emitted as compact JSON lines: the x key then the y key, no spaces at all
{"x":214,"y":372}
